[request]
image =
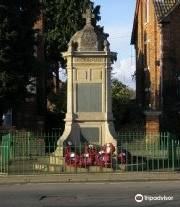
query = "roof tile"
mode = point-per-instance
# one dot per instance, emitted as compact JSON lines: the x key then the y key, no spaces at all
{"x":163,"y":7}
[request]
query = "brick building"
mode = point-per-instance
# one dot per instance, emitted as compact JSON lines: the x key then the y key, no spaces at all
{"x":156,"y":37}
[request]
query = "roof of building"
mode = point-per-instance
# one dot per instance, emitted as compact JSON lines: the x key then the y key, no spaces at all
{"x":164,"y":7}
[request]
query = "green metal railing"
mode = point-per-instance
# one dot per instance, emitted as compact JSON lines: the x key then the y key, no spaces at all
{"x":161,"y":151}
{"x":37,"y":153}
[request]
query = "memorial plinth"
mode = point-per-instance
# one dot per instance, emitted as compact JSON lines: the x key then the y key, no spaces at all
{"x":89,"y":107}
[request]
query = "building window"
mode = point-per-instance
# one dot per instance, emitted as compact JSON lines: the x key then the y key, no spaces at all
{"x":146,"y":11}
{"x":145,"y":51}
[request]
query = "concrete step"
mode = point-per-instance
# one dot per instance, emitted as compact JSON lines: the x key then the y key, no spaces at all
{"x":43,"y":165}
{"x":100,"y":169}
{"x":48,"y":168}
{"x":132,"y":167}
{"x":56,"y":160}
{"x":44,"y":159}
{"x":21,"y":166}
{"x":71,"y":169}
{"x":34,"y":166}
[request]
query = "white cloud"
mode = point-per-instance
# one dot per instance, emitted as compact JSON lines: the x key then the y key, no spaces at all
{"x":119,"y":38}
{"x":123,"y":71}
{"x":62,"y":74}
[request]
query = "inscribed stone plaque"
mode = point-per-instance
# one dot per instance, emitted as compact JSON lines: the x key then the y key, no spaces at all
{"x":89,"y":97}
{"x":91,"y":135}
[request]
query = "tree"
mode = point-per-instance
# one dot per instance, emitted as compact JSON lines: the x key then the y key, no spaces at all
{"x":55,"y":116}
{"x":17,"y":40}
{"x":120,"y":92}
{"x":121,"y":95}
{"x":62,"y":20}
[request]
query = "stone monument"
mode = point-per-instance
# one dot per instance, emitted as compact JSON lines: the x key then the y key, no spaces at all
{"x":89,"y":115}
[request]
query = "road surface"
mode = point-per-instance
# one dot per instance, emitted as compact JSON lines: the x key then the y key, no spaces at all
{"x":121,"y":194}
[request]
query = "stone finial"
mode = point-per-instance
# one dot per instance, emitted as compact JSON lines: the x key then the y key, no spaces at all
{"x":88,"y":15}
{"x":70,"y":46}
{"x":106,"y":45}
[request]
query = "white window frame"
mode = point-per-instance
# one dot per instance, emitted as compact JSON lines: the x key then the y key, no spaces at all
{"x":146,"y":12}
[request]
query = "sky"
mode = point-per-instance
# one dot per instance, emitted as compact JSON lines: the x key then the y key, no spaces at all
{"x":117,"y":18}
